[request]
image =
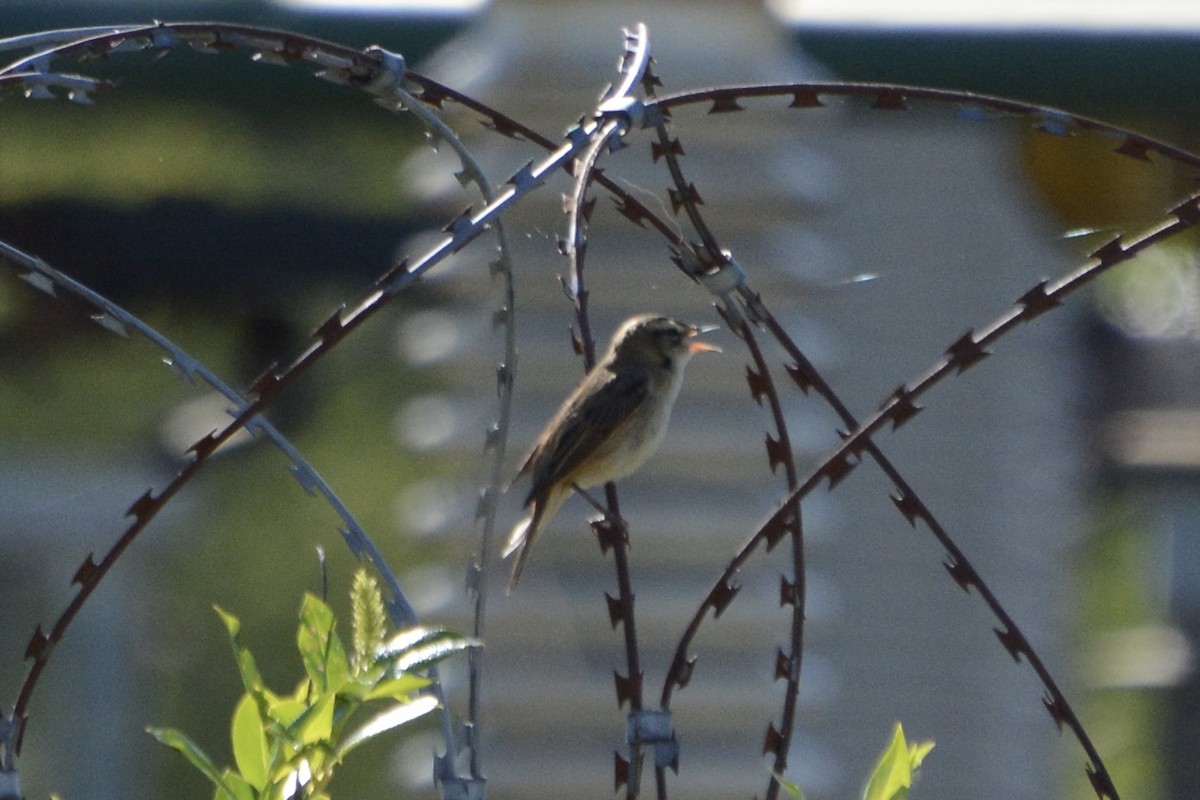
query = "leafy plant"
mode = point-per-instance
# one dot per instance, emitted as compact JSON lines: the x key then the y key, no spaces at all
{"x":896,"y":769}
{"x":893,"y":774}
{"x":286,"y":746}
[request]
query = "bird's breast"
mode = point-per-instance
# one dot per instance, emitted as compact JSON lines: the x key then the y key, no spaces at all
{"x":638,"y":437}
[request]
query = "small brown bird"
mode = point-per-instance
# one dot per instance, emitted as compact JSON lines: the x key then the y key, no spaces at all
{"x":613,"y":421}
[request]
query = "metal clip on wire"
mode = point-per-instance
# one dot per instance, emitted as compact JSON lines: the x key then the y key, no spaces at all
{"x":10,"y":781}
{"x":630,"y":110}
{"x":722,"y":280}
{"x":391,"y":70}
{"x":650,"y":727}
{"x":454,"y":786}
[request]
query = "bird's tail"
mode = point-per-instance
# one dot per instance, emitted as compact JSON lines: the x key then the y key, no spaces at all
{"x":525,"y":532}
{"x":519,"y":541}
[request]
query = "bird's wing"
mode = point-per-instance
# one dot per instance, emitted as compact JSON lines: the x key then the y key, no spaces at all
{"x":585,"y":424}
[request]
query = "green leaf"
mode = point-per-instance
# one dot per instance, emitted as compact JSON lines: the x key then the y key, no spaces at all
{"x":320,"y":648}
{"x":397,"y":688}
{"x":368,"y":617}
{"x":191,"y":751}
{"x":792,"y":789}
{"x":239,"y":789}
{"x":287,"y":710}
{"x":251,"y":679}
{"x":893,"y":774}
{"x":419,"y":647}
{"x":249,"y":742}
{"x":316,"y":723}
{"x":917,"y":753}
{"x":392,"y":718}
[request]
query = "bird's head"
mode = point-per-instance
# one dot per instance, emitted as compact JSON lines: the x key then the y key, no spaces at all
{"x":651,"y":340}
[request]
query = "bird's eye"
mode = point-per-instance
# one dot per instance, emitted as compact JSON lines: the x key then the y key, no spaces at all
{"x":674,"y":335}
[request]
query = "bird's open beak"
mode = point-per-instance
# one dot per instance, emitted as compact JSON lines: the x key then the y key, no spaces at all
{"x":696,"y":346}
